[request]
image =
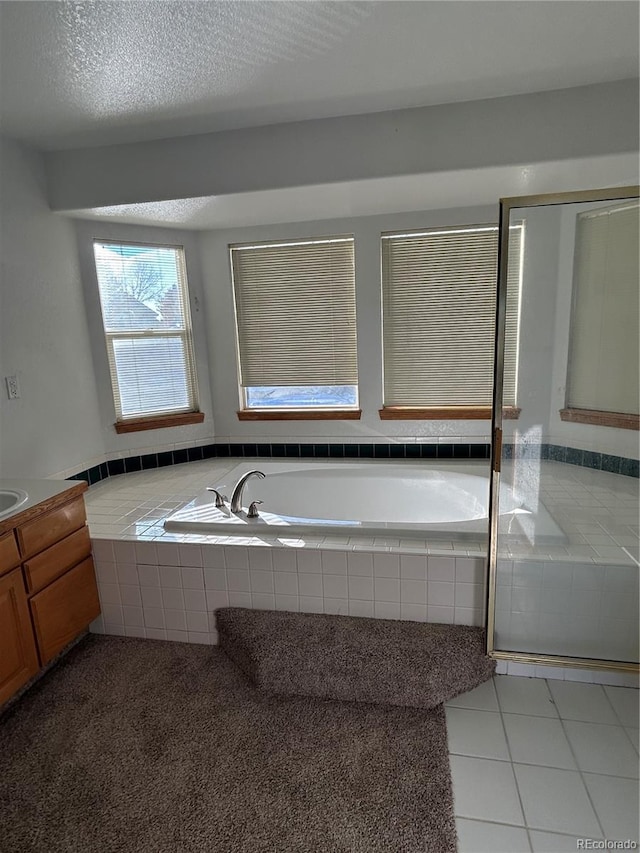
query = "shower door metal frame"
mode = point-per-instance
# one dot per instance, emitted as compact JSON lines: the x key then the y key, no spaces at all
{"x":506,"y":206}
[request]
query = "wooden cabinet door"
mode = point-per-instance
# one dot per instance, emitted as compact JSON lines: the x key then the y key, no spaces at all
{"x":65,"y":608}
{"x":9,"y":556}
{"x":18,"y":656}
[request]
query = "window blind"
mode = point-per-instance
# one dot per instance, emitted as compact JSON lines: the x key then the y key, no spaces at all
{"x":147,"y":326}
{"x":603,"y":360}
{"x":438,"y":305}
{"x":295,"y":312}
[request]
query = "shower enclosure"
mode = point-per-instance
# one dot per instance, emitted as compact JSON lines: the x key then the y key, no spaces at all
{"x":563,"y":565}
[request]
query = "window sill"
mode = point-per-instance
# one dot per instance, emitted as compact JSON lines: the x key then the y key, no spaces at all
{"x":620,"y":420}
{"x":454,"y":413}
{"x":299,"y":415}
{"x":159,"y":422}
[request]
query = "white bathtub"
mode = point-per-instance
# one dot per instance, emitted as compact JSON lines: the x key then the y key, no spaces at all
{"x":424,"y":499}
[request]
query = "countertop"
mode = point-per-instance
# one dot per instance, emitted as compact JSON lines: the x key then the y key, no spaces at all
{"x":43,"y":495}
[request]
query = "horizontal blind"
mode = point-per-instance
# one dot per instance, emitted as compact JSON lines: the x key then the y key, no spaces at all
{"x":512,"y":315}
{"x":439,"y":297}
{"x":295,"y":311}
{"x":147,"y":325}
{"x":603,"y":361}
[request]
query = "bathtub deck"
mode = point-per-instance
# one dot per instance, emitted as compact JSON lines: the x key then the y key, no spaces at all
{"x":598,"y":512}
{"x":161,"y":585}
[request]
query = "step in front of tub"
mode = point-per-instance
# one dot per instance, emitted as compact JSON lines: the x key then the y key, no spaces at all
{"x":354,"y":659}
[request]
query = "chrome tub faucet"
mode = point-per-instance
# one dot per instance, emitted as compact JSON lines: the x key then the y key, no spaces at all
{"x":236,"y":497}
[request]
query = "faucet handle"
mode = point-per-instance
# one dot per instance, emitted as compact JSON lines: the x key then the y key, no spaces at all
{"x":220,"y":499}
{"x":253,"y":509}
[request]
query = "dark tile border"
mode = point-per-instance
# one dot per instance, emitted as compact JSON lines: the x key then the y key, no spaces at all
{"x":574,"y":456}
{"x":250,"y":450}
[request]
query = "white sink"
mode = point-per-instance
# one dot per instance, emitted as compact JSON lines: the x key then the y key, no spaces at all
{"x":11,"y":500}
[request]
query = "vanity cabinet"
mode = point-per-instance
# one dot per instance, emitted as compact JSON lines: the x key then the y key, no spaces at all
{"x":48,"y":591}
{"x":19,"y":658}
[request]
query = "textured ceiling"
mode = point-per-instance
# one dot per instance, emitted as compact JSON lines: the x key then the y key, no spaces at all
{"x":91,"y":73}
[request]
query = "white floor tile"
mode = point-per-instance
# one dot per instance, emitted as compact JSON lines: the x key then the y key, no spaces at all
{"x":538,"y":740}
{"x":518,"y":695}
{"x":626,"y":704}
{"x":485,"y":790}
{"x":482,"y":698}
{"x":635,"y":740}
{"x":476,"y":733}
{"x":556,"y":800}
{"x":602,"y":749}
{"x":616,"y":804}
{"x":586,"y":702}
{"x":475,"y":836}
{"x":551,"y":842}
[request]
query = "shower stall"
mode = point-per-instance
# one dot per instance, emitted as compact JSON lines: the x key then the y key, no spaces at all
{"x":563,"y":569}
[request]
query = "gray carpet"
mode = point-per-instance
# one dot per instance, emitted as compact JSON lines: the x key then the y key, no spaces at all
{"x":414,"y":664}
{"x":140,"y":746}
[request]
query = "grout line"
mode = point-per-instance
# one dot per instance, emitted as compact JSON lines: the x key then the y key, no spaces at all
{"x":621,"y":723}
{"x":515,"y":778}
{"x":575,"y":758}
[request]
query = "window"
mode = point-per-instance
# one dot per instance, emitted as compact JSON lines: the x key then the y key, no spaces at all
{"x":438,"y":307}
{"x":147,"y":326}
{"x":603,"y":380}
{"x":296,"y":326}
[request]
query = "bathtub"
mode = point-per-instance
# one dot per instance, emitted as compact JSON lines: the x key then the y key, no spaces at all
{"x":404,"y":499}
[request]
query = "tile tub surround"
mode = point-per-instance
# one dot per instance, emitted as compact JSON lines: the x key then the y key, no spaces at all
{"x":385,"y":577}
{"x":170,"y":590}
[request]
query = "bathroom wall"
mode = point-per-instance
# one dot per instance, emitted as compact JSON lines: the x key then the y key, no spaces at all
{"x":222,"y":342}
{"x":62,"y":421}
{"x":214,"y":332}
{"x":617,"y":442}
{"x":44,"y":339}
{"x":544,"y":338}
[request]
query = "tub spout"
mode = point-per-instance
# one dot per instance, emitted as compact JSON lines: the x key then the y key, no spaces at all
{"x":236,"y":497}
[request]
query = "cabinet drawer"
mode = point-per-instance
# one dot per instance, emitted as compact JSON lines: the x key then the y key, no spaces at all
{"x":55,"y":560}
{"x":62,"y":610}
{"x":18,"y":657}
{"x":36,"y":535}
{"x":9,"y":556}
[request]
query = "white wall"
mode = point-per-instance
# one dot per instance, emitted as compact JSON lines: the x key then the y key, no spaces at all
{"x":544,"y":338}
{"x":64,"y":419}
{"x":586,"y":121}
{"x":222,"y":341}
{"x":618,"y":442}
{"x":158,"y":439}
{"x":44,"y":338}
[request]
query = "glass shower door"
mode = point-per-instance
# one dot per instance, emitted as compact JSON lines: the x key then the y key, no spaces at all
{"x":563,"y":569}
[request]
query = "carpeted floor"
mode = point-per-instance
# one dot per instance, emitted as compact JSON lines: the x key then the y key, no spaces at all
{"x":353,"y":658}
{"x":141,"y":746}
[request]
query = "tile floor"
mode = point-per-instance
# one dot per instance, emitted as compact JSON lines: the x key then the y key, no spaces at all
{"x":538,"y":764}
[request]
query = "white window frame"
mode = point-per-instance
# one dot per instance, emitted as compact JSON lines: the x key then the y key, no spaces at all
{"x":169,"y":415}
